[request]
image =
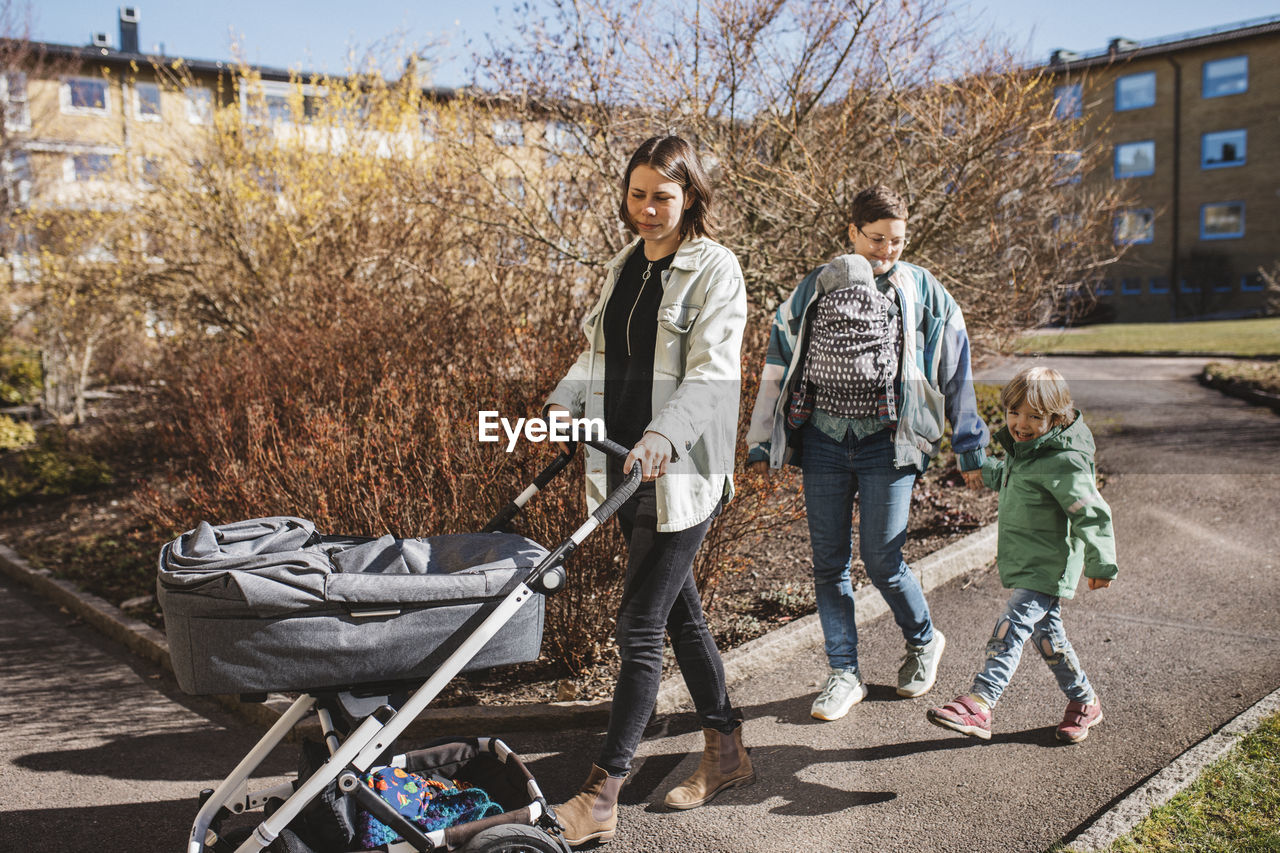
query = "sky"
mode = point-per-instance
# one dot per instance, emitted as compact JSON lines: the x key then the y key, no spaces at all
{"x":321,"y":35}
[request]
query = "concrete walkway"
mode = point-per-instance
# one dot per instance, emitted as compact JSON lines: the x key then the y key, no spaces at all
{"x":1187,"y":638}
{"x":101,"y":753}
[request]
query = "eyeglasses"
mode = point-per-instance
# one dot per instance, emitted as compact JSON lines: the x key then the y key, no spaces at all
{"x":879,"y":241}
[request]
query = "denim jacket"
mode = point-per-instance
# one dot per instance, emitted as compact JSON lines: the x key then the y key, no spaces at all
{"x":697,"y":375}
{"x":934,"y":381}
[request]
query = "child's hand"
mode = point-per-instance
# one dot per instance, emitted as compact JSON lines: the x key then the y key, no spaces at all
{"x":1099,"y":583}
{"x":973,"y":479}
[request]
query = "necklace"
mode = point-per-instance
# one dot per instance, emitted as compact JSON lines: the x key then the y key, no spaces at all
{"x":644,"y":280}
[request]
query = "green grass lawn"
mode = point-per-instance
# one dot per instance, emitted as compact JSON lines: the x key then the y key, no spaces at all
{"x":1234,"y":807}
{"x":1254,"y":337}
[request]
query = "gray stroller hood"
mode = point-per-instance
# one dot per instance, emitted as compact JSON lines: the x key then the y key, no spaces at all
{"x":270,"y":604}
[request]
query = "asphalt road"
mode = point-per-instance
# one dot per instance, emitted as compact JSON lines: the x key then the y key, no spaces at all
{"x":100,"y":753}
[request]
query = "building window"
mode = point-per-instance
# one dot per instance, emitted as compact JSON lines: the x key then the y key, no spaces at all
{"x":146,"y":101}
{"x":1068,"y":101}
{"x":85,"y":95}
{"x":274,"y":102}
{"x":1158,"y":284}
{"x":1222,"y":149}
{"x":1222,"y":220}
{"x":1226,"y":77}
{"x":508,"y":132}
{"x":88,"y":167}
{"x":559,"y":138}
{"x":1066,"y":168}
{"x":13,"y":95}
{"x":1222,"y":286}
{"x":1135,"y":159}
{"x":149,"y":170}
{"x":1251,"y":281}
{"x":17,"y":178}
{"x":1130,"y":286}
{"x":1135,"y":91}
{"x":1104,"y":288}
{"x":199,"y":105}
{"x":1185,"y":286}
{"x":1135,"y":226}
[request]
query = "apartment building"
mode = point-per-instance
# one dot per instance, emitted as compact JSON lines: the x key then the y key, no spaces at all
{"x":87,"y":124}
{"x":1193,"y":123}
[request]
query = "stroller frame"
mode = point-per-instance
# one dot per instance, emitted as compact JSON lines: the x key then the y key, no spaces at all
{"x":374,"y":735}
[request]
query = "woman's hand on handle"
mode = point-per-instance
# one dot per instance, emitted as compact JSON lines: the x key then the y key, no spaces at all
{"x":556,"y":407}
{"x":652,"y":453}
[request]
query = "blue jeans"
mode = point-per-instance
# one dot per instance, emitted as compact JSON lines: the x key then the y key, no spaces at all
{"x":834,"y":471}
{"x":1037,"y":616}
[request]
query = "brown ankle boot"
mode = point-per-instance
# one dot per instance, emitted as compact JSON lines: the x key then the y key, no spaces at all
{"x":725,"y":764}
{"x":592,"y":813}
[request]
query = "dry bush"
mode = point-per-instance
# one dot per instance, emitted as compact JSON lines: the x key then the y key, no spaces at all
{"x":361,"y":415}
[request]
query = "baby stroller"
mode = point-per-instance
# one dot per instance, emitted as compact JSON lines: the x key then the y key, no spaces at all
{"x":369,"y":631}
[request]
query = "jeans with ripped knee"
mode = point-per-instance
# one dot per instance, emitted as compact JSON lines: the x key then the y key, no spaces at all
{"x":1038,"y":617}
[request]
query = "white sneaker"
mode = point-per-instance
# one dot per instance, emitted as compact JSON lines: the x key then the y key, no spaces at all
{"x":844,"y":689}
{"x":920,"y":666}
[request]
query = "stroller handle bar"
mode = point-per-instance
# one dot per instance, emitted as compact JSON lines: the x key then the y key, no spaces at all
{"x":603,"y":513}
{"x":548,"y":577}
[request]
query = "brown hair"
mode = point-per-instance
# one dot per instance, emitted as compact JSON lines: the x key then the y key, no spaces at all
{"x":1041,"y":388}
{"x":674,"y":159}
{"x":875,"y":203}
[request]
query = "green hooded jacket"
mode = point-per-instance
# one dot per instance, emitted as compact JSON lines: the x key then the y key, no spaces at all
{"x":1053,"y":522}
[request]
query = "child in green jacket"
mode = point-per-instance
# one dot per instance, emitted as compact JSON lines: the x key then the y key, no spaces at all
{"x":1053,"y":525}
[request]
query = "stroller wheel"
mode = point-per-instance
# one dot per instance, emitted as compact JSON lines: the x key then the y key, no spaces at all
{"x":512,"y":838}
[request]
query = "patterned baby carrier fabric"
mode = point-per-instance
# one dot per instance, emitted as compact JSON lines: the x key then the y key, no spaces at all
{"x":854,"y":342}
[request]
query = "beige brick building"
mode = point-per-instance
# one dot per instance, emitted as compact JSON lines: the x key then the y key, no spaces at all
{"x":86,"y":124}
{"x":1193,"y":122}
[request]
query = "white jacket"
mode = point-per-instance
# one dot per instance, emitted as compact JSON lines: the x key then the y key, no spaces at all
{"x":697,"y":374}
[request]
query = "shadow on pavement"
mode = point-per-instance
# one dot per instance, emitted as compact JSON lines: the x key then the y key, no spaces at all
{"x":169,"y":757}
{"x":126,"y":828}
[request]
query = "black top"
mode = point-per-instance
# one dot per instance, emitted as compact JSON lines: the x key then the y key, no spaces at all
{"x":630,"y":334}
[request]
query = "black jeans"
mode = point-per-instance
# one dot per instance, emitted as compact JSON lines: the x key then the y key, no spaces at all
{"x":660,"y":594}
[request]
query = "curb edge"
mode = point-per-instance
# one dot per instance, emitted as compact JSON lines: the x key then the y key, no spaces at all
{"x":1170,"y":781}
{"x":965,"y":555}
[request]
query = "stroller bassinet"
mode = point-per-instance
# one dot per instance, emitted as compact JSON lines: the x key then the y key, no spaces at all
{"x":272,"y":605}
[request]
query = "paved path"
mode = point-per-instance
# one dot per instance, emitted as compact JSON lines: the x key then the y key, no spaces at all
{"x":100,"y":753}
{"x":1187,"y":638}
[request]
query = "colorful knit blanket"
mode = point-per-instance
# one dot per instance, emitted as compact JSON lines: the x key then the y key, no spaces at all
{"x":429,"y":802}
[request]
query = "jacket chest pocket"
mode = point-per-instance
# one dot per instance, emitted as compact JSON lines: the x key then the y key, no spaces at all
{"x":675,"y":321}
{"x":678,"y":317}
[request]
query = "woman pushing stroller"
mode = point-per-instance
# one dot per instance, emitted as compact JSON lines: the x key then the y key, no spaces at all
{"x":662,"y":369}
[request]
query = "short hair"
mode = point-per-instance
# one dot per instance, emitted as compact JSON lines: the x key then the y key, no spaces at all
{"x":1041,"y":388}
{"x":674,"y":159}
{"x":875,"y":203}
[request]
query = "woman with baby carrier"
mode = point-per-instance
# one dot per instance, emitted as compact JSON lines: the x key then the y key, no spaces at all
{"x":866,"y":358}
{"x":662,"y":369}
